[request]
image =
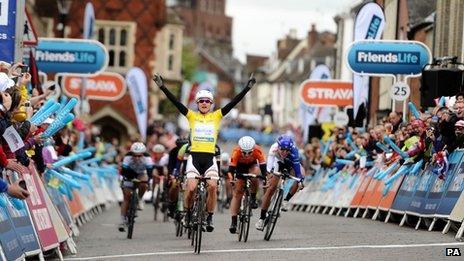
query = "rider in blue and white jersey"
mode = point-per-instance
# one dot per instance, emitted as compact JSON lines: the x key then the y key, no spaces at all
{"x":282,"y":155}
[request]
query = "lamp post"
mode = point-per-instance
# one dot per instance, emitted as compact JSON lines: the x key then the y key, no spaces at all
{"x":63,"y":8}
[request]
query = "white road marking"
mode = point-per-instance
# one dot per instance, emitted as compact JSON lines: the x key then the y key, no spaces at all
{"x":270,"y":249}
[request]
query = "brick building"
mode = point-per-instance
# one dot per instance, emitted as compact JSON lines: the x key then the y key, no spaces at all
{"x":209,"y":29}
{"x":133,"y":32}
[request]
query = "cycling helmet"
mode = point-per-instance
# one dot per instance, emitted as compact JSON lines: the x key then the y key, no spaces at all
{"x":158,"y":148}
{"x":204,"y":94}
{"x":285,"y":142}
{"x":138,"y":148}
{"x":246,"y":143}
{"x":225,"y":157}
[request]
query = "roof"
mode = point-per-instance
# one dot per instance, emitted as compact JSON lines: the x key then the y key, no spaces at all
{"x":173,"y":17}
{"x":419,"y":10}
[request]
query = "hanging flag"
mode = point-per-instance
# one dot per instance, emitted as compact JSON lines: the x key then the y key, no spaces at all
{"x":369,"y":24}
{"x":137,"y":84}
{"x":89,"y":21}
{"x":309,"y":114}
{"x":35,"y":79}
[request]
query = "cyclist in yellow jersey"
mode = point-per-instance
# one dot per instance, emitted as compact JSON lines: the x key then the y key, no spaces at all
{"x":204,"y":129}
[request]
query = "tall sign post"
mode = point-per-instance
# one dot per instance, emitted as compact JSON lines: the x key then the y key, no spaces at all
{"x":390,"y":58}
{"x":89,"y":22}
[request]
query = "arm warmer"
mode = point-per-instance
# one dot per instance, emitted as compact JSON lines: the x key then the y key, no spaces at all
{"x":226,"y":109}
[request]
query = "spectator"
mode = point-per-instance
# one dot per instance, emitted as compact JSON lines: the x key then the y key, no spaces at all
{"x":460,"y":97}
{"x":13,"y":190}
{"x":459,"y":109}
{"x":446,"y":124}
{"x":395,"y":120}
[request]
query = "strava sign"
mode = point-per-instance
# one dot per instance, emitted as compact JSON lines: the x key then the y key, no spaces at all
{"x":326,"y":93}
{"x":105,"y":86}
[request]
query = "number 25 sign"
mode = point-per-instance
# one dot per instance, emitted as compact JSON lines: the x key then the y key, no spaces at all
{"x":400,"y":91}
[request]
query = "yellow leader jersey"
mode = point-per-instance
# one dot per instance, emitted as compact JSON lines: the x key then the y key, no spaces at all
{"x":204,"y":129}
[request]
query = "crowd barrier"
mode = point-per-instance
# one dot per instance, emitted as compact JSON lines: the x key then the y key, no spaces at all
{"x":234,"y":134}
{"x":397,"y":193}
{"x":60,"y":201}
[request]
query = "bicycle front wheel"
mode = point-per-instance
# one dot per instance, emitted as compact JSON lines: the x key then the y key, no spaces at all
{"x":131,"y":214}
{"x":200,"y":220}
{"x":274,"y":215}
{"x":247,"y":217}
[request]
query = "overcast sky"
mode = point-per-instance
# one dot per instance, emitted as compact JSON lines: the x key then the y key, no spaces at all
{"x":259,"y":23}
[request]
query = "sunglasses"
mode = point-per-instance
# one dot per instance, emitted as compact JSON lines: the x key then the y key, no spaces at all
{"x":247,"y":152}
{"x":204,"y":101}
{"x":284,"y":150}
{"x":137,"y":156}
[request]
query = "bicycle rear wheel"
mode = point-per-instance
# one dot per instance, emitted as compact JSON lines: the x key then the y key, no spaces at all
{"x":131,"y":214}
{"x":274,"y":215}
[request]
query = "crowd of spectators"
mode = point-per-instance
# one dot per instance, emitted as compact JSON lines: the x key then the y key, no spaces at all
{"x":19,"y":100}
{"x":434,"y":134}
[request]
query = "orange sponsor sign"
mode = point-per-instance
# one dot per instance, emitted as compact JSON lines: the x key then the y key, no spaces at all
{"x":326,"y":93}
{"x":106,"y":86}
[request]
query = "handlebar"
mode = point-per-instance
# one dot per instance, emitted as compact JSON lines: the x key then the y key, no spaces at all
{"x":286,"y":175}
{"x":249,"y":175}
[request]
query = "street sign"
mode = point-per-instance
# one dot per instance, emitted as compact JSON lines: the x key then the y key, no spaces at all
{"x":29,"y":35}
{"x":326,"y":93}
{"x":341,"y":119}
{"x":55,"y":55}
{"x":400,"y":91}
{"x":388,"y":57}
{"x":106,"y":86}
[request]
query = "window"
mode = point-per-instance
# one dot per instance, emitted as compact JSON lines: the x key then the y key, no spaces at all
{"x":119,"y":39}
{"x":122,"y":59}
{"x":300,"y":65}
{"x":123,"y":38}
{"x":101,"y":35}
{"x":112,"y":37}
{"x":171,"y":41}
{"x":111,"y":62}
{"x":170,"y":62}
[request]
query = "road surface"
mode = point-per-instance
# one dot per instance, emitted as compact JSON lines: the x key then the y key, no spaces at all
{"x":299,"y":236}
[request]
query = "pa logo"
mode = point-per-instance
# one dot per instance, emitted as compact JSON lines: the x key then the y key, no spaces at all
{"x":453,"y":251}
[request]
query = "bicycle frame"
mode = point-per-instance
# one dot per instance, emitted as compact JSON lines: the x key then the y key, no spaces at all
{"x":198,"y":213}
{"x":245,"y":211}
{"x":133,"y":201}
{"x":276,"y":203}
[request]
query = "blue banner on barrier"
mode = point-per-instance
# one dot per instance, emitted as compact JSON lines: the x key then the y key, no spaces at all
{"x":405,"y":193}
{"x":8,"y":237}
{"x":24,"y":229}
{"x":439,"y":187}
{"x":455,"y":188}
{"x":61,"y":205}
{"x":423,"y":187}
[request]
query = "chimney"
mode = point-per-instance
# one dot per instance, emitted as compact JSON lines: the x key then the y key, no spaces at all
{"x":312,"y":36}
{"x":292,"y":34}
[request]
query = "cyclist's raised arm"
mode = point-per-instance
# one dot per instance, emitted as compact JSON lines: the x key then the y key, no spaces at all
{"x":159,"y":81}
{"x":226,"y":109}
